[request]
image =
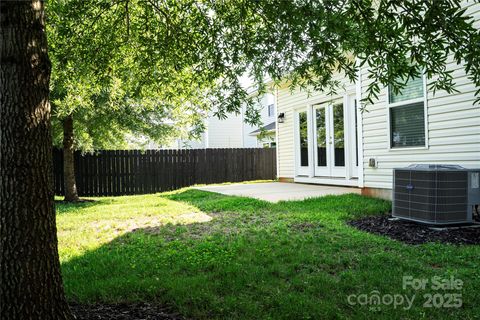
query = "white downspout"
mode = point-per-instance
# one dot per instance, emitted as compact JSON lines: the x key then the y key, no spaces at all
{"x":207,"y":142}
{"x":360,"y":127}
{"x":277,"y":127}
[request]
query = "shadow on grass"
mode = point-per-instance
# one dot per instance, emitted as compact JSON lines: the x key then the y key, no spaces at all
{"x":211,"y":201}
{"x":256,"y":260}
{"x":63,"y":207}
{"x":168,"y":264}
{"x":349,"y":205}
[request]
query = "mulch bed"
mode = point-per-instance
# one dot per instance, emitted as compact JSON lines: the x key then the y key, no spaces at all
{"x":414,"y":233}
{"x":123,"y":311}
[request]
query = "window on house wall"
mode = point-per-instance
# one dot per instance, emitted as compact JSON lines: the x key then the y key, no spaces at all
{"x":407,"y":115}
{"x":271,"y":110}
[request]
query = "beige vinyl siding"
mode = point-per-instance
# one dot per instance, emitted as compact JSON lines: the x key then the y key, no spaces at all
{"x":285,"y":143}
{"x":453,"y":125}
{"x":288,"y":102}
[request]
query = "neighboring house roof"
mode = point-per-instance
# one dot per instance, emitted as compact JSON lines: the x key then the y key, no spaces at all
{"x":268,"y":128}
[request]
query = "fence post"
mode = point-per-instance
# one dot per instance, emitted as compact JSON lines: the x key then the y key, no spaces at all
{"x":122,"y":172}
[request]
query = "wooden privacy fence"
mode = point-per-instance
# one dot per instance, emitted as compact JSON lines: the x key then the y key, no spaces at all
{"x":123,"y":172}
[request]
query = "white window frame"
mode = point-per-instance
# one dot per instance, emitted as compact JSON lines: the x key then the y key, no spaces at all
{"x":272,"y":114}
{"x":423,"y":99}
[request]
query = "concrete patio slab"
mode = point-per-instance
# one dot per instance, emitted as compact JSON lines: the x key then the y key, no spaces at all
{"x":277,"y":191}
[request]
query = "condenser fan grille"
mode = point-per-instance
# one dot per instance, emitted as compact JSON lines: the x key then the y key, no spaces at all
{"x":431,"y":196}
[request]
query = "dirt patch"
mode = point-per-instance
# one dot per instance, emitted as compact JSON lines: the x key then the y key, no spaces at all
{"x":146,"y":222}
{"x":414,"y":233}
{"x":227,"y":224}
{"x":194,"y":231}
{"x":123,"y":311}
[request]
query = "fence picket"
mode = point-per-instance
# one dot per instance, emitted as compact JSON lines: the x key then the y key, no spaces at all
{"x":122,"y":172}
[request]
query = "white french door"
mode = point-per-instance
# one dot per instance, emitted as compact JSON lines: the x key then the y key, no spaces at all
{"x":326,"y":140}
{"x":329,"y":139}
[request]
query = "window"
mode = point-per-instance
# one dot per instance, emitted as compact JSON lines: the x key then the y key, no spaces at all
{"x":302,"y":126}
{"x":407,"y":115}
{"x":271,"y":110}
{"x":413,"y":90}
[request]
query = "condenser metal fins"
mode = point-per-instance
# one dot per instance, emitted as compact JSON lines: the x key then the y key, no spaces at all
{"x":436,"y":194}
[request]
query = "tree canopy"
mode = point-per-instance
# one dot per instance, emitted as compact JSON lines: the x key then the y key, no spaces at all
{"x":157,"y":68}
{"x":123,"y":63}
{"x":306,"y":42}
{"x":113,"y":75}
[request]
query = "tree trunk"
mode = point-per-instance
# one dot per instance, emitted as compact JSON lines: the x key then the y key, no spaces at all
{"x":30,"y":279}
{"x":70,"y":183}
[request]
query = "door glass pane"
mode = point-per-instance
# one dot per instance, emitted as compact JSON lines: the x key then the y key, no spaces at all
{"x":321,"y":138}
{"x":338,"y":135}
{"x":302,"y":125}
{"x":356,"y":134}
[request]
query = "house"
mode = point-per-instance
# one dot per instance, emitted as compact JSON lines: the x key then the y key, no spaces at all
{"x":219,"y":133}
{"x":263,"y":137}
{"x":328,"y":140}
{"x":233,"y":132}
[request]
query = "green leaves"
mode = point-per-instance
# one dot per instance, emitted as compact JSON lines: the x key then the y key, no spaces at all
{"x":143,"y":62}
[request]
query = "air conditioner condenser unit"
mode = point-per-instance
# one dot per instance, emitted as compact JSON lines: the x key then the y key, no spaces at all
{"x":436,"y":194}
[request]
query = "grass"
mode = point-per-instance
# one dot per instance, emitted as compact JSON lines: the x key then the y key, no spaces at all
{"x":214,"y":257}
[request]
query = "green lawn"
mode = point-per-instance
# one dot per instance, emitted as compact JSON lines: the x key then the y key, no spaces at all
{"x":213,"y":256}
